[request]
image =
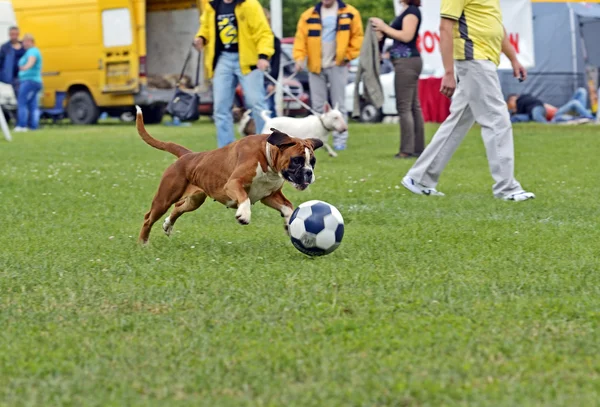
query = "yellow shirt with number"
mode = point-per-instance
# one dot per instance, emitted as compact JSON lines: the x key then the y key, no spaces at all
{"x":478,"y":32}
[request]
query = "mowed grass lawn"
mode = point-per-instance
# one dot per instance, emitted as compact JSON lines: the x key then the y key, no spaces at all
{"x":462,"y":300}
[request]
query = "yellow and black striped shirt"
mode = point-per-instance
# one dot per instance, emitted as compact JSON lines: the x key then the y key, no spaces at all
{"x":479,"y":31}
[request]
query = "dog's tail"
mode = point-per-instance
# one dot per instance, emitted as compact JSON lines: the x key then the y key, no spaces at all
{"x":172,"y":148}
{"x":265,"y":114}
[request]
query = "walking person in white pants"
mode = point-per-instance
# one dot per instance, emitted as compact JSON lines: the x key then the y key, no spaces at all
{"x":471,"y":38}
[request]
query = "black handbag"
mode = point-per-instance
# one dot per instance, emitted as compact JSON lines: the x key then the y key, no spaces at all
{"x":185,"y":103}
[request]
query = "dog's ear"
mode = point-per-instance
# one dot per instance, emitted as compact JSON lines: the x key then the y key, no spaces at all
{"x":326,"y":107}
{"x":280,"y":140}
{"x":315,"y":143}
{"x":336,"y":107}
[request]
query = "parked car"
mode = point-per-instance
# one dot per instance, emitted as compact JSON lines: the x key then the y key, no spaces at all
{"x":368,"y":112}
{"x":386,"y":66}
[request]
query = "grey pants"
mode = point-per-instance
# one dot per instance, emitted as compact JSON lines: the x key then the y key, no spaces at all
{"x":478,"y":98}
{"x":330,"y":82}
{"x":412,"y":132}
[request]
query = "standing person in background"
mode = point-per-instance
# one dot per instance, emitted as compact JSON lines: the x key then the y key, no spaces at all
{"x":408,"y":64}
{"x":30,"y":84}
{"x":238,"y":43}
{"x":274,"y":72}
{"x":10,"y":54}
{"x":328,"y":36}
{"x":471,"y":38}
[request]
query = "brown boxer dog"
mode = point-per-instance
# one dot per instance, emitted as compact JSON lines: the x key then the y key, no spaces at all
{"x":252,"y":169}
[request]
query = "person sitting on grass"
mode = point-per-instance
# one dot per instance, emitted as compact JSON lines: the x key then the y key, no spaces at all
{"x":526,"y":108}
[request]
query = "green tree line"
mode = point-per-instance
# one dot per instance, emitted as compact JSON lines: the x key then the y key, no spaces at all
{"x":368,"y":8}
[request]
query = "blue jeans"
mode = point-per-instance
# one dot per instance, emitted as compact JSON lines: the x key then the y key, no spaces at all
{"x":576,"y":105}
{"x":538,"y":114}
{"x":227,"y":75}
{"x":27,"y":109}
{"x":271,"y":106}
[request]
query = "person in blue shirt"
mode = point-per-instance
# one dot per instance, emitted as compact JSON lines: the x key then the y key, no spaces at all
{"x":10,"y":53}
{"x":30,"y":84}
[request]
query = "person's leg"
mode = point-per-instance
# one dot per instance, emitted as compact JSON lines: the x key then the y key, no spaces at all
{"x":33,"y":104}
{"x":15,"y":86}
{"x":318,"y":91}
{"x":22,"y":105}
{"x":253,"y":86}
{"x":417,"y":112}
{"x":581,"y":95}
{"x":224,"y":83}
{"x":426,"y":171}
{"x":572,"y":106}
{"x":338,"y":79}
{"x":272,"y":107}
{"x":520,"y":118}
{"x":489,"y":109}
{"x":405,"y":85}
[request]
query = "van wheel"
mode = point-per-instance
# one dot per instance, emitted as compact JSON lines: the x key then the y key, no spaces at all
{"x":82,"y":109}
{"x":370,"y":114}
{"x":153,"y":114}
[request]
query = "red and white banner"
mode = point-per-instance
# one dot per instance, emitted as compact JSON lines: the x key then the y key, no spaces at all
{"x":517,"y":18}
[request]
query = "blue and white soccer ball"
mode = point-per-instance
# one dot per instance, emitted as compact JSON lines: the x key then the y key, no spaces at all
{"x":316,"y":228}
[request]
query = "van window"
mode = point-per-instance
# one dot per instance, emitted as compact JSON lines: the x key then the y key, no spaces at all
{"x":116,"y":27}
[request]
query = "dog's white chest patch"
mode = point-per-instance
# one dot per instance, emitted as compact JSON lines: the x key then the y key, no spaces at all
{"x":264,"y":184}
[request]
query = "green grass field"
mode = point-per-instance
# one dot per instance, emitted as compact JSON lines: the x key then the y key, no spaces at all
{"x":462,"y":300}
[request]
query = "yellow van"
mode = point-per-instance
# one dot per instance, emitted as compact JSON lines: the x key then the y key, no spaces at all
{"x":100,"y":53}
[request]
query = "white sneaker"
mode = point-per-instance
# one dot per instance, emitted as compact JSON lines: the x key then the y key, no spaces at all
{"x":520,"y":196}
{"x":419,"y":189}
{"x":21,"y":129}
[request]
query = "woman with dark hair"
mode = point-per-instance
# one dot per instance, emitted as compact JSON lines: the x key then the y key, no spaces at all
{"x":406,"y":58}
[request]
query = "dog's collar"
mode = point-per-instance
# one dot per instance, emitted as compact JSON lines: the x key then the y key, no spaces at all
{"x":269,"y":158}
{"x":323,"y":124}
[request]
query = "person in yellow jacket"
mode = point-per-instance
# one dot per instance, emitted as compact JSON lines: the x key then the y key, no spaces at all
{"x":237,"y":42}
{"x":329,"y":35}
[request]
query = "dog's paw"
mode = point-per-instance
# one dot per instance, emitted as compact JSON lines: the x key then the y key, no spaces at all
{"x":243,"y":213}
{"x":167,"y":226}
{"x":243,"y":220}
{"x":333,"y":154}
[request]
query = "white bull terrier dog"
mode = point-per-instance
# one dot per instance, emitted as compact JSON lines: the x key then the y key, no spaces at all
{"x":309,"y":127}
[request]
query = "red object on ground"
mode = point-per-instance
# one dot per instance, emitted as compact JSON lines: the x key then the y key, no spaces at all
{"x":550,"y":112}
{"x":435,"y":106}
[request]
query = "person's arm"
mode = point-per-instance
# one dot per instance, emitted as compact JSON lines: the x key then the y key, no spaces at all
{"x":357,"y":35}
{"x":299,"y":52}
{"x":518,"y":70}
{"x":30,"y":62}
{"x":203,"y":32}
{"x":447,"y":49}
{"x":409,"y":28}
{"x":450,"y":11}
{"x":261,"y":33}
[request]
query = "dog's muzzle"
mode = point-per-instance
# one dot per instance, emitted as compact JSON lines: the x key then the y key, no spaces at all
{"x":301,"y":179}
